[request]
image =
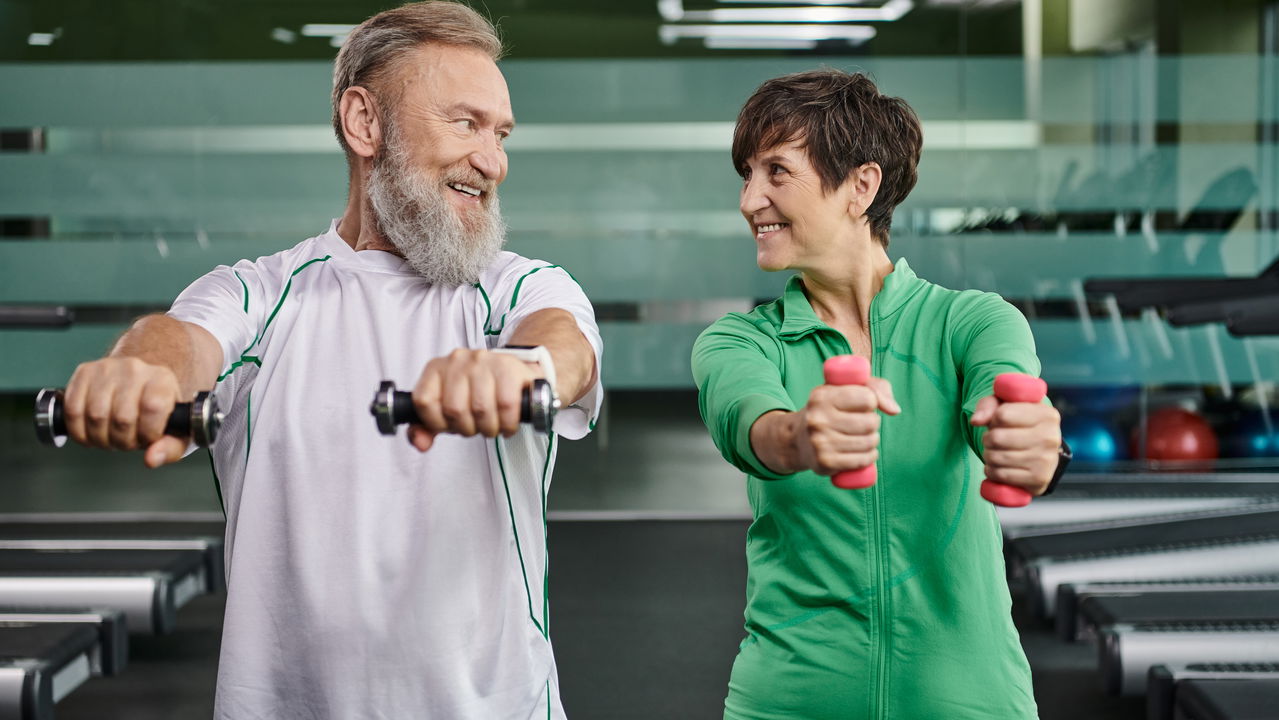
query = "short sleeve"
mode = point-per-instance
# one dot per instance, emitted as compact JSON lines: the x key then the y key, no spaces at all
{"x":736,"y":368}
{"x":229,"y":302}
{"x":538,"y":286}
{"x":990,"y":337}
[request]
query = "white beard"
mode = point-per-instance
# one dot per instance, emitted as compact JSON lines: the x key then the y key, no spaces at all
{"x":411,"y":212}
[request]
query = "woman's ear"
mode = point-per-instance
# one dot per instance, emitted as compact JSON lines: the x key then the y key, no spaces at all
{"x":863,"y":186}
{"x":360,"y":124}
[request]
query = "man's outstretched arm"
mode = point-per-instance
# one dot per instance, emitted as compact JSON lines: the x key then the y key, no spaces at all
{"x":123,"y":400}
{"x":477,"y":392}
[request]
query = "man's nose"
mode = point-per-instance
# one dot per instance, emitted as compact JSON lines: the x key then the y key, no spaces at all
{"x":490,"y":161}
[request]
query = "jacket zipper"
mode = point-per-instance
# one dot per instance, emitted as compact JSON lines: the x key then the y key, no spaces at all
{"x":882,"y":600}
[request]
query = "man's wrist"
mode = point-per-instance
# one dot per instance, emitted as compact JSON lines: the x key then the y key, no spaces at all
{"x":535,"y":354}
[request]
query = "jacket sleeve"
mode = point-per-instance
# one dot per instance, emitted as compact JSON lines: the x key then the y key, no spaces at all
{"x":738,"y":376}
{"x":990,"y":337}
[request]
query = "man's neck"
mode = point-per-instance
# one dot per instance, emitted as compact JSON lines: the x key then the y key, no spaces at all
{"x":356,"y":227}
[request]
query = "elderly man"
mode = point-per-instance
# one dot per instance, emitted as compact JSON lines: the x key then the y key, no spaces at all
{"x":368,"y":578}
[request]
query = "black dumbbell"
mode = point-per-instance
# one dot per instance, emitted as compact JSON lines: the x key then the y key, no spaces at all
{"x":198,"y":420}
{"x":392,"y":407}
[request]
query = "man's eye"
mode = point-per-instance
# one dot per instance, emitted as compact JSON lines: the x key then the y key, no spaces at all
{"x":775,"y":169}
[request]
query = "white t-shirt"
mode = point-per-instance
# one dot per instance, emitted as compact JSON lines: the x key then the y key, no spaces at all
{"x":366,"y":579}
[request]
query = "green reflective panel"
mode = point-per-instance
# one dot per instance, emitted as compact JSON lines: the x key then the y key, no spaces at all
{"x":1188,"y":89}
{"x":1147,"y":351}
{"x":46,"y":358}
{"x":648,"y":355}
{"x":547,"y":190}
{"x":105,"y":271}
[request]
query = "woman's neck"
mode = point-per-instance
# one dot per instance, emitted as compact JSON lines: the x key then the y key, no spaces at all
{"x":841,"y":292}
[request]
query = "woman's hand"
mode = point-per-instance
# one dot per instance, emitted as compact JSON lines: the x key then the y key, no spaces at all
{"x":1021,"y":442}
{"x":837,"y":430}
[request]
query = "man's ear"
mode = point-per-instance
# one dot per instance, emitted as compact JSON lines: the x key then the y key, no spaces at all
{"x":361,"y":126}
{"x":863,"y":184}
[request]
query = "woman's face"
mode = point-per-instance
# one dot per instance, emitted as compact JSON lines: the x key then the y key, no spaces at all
{"x":796,"y":224}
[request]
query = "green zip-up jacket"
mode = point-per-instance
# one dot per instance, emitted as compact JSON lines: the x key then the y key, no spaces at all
{"x":890,"y":602}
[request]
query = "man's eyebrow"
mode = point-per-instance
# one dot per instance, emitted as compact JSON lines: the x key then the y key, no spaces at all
{"x":478,"y":114}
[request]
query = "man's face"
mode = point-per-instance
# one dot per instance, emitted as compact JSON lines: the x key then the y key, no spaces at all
{"x":434,"y":181}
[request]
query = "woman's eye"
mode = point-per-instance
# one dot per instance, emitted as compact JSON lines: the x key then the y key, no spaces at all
{"x":776,"y":169}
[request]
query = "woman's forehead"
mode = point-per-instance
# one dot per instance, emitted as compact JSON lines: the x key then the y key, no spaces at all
{"x":787,"y":149}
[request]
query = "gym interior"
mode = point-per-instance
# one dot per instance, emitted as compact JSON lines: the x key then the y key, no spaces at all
{"x":1109,"y":168}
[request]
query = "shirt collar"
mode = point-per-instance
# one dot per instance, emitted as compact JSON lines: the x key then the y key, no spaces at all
{"x":370,"y":259}
{"x":799,"y":319}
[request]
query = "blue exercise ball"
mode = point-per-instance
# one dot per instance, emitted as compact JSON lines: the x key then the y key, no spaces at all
{"x":1254,"y":434}
{"x":1092,"y":439}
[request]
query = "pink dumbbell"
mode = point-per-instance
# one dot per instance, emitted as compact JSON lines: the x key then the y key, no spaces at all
{"x":850,"y":370}
{"x":1013,"y":387}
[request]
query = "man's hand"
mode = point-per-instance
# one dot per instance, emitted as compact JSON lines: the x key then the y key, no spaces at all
{"x":1021,"y":442}
{"x":837,"y":430}
{"x":470,"y":392}
{"x":124,"y":403}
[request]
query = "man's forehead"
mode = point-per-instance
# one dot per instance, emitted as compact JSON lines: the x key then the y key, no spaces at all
{"x":449,"y":76}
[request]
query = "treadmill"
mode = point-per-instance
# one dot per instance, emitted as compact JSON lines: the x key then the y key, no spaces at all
{"x":1214,"y":691}
{"x":1070,"y":596}
{"x":1107,"y":500}
{"x":148,"y":586}
{"x":46,"y":655}
{"x":144,"y":568}
{"x":1241,"y":543}
{"x":1139,"y":631}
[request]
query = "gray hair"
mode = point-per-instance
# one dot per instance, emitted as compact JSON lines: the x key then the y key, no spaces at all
{"x":368,"y":57}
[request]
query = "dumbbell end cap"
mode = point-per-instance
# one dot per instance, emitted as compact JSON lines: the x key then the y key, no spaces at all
{"x":855,"y":479}
{"x":1004,"y":495}
{"x":47,"y":401}
{"x":382,"y":407}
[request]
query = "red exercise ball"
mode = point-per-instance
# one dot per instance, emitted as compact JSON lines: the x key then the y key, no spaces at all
{"x":1176,"y":434}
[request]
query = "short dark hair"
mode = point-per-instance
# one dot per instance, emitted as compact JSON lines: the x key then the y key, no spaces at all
{"x":844,"y":122}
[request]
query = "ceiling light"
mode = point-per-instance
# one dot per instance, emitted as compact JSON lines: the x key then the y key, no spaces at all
{"x":283,"y":35}
{"x":673,"y":11}
{"x":798,"y":2}
{"x":326,"y":29}
{"x":854,"y":34}
{"x":43,"y":38}
{"x":758,"y":44}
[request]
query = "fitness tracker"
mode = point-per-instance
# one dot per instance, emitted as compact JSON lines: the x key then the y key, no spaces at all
{"x":1064,"y":456}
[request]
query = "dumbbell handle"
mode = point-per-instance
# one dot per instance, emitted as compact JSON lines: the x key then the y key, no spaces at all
{"x":198,"y":420}
{"x":850,"y":370}
{"x":392,"y":408}
{"x":1013,"y":387}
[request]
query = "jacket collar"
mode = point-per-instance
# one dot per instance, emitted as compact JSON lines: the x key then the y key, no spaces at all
{"x":799,"y":319}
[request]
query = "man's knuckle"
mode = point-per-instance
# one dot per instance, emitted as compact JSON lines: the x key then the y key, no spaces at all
{"x":152,"y":404}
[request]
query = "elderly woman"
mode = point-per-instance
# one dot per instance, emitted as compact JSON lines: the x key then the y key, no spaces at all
{"x":887,"y":602}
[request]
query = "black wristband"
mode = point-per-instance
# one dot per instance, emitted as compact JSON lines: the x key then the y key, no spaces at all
{"x":1064,"y":456}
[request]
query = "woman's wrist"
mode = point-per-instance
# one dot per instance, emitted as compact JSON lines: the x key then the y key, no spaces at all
{"x":773,"y":440}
